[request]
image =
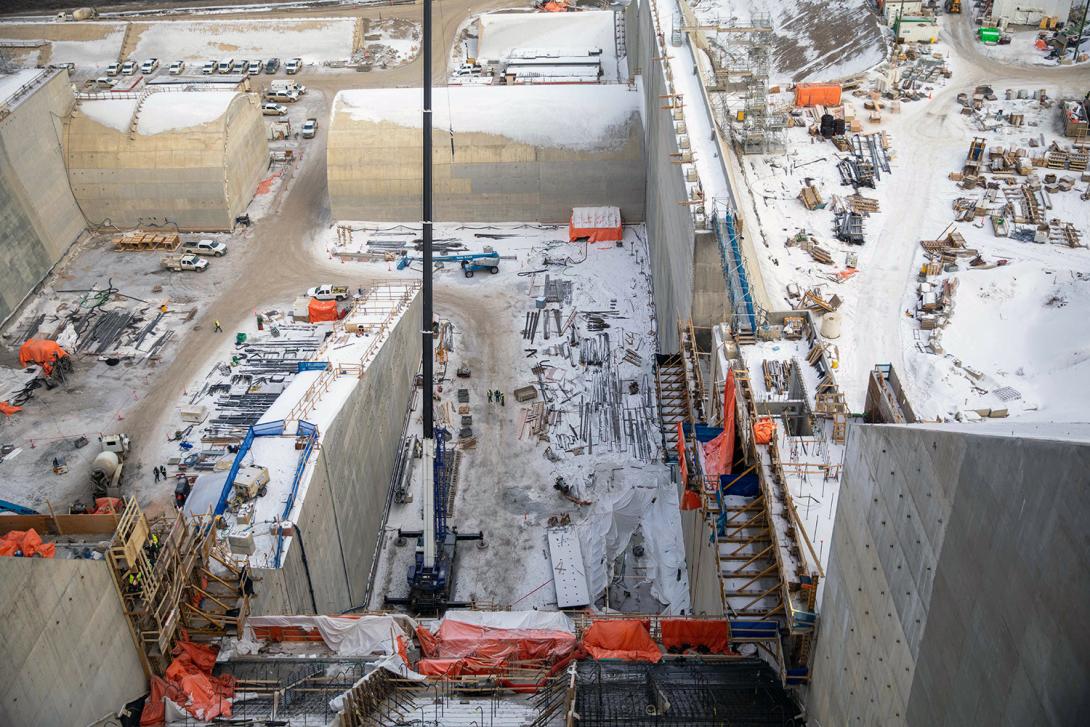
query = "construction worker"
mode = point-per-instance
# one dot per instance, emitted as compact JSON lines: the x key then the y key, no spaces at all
{"x":155,"y":471}
{"x":216,"y":327}
{"x":490,"y":396}
{"x":503,"y":399}
{"x":163,"y":472}
{"x":134,"y":582}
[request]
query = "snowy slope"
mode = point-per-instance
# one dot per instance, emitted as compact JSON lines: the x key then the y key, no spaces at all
{"x":576,"y":117}
{"x":813,"y":40}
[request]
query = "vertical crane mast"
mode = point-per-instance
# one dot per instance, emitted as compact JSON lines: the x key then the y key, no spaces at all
{"x":426,"y":318}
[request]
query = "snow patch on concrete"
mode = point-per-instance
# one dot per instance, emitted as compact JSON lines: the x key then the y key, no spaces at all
{"x":589,"y":117}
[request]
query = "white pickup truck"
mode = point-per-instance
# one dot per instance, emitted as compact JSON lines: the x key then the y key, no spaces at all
{"x":179,"y":263}
{"x":328,"y":291}
{"x":205,"y":247}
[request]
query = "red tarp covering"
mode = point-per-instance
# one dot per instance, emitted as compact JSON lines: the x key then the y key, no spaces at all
{"x":690,"y":500}
{"x":625,"y":639}
{"x":459,"y":648}
{"x":719,"y":452}
{"x":597,"y":224}
{"x":681,"y":454}
{"x":189,"y":683}
{"x":41,"y":352}
{"x":322,"y":310}
{"x":456,"y":639}
{"x":26,"y":542}
{"x":817,"y":94}
{"x":680,"y":634}
{"x":108,"y":505}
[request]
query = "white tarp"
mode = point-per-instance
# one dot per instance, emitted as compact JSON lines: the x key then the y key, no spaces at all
{"x":627,"y":505}
{"x":346,"y":636}
{"x":596,"y":217}
{"x":549,"y":620}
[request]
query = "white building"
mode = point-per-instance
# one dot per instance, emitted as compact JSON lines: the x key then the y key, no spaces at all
{"x":1030,"y":12}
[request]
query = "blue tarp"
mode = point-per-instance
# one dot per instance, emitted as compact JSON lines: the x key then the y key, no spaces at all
{"x":312,"y":366}
{"x":754,"y":629}
{"x":704,"y":433}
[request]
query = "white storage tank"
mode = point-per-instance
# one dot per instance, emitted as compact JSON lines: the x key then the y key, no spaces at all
{"x":830,"y":325}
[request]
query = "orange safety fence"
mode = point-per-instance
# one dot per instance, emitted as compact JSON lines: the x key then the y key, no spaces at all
{"x":626,"y":639}
{"x":26,"y":544}
{"x":764,"y":429}
{"x":322,"y":310}
{"x":42,"y":352}
{"x":817,"y":94}
{"x":189,"y":683}
{"x":708,"y":637}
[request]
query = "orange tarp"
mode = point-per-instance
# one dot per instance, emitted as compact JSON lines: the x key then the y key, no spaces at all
{"x":26,"y":542}
{"x":626,"y":639}
{"x":682,"y":634}
{"x":322,"y":310}
{"x":9,"y":409}
{"x":763,"y":430}
{"x":42,"y":352}
{"x":814,"y":94}
{"x":189,"y":682}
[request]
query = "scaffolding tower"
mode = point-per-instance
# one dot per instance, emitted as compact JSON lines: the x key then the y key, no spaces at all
{"x":174,"y":576}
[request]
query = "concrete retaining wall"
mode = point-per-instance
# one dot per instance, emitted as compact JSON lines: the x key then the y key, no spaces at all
{"x":346,"y":497}
{"x":38,"y":214}
{"x":68,"y":658}
{"x":198,"y":178}
{"x":701,"y":558}
{"x":375,"y":174}
{"x":685,"y":262}
{"x":957,"y":582}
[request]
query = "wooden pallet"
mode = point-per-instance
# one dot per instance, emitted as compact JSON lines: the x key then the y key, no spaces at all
{"x":144,"y":241}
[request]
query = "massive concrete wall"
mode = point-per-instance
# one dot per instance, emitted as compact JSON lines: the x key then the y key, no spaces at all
{"x":685,"y":262}
{"x":957,"y":584}
{"x":486,"y":176}
{"x":68,"y":658}
{"x":38,"y":214}
{"x":702,"y":561}
{"x":346,"y":498}
{"x":198,"y":178}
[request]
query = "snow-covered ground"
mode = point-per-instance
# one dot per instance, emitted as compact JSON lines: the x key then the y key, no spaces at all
{"x":314,"y":40}
{"x":160,"y":112}
{"x":89,"y":53}
{"x":502,"y":33}
{"x":12,"y":82}
{"x":1012,"y":326}
{"x":812,"y":40}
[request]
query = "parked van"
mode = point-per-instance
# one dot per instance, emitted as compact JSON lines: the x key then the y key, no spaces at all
{"x":225,"y":66}
{"x":293,"y":65}
{"x":209,"y":67}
